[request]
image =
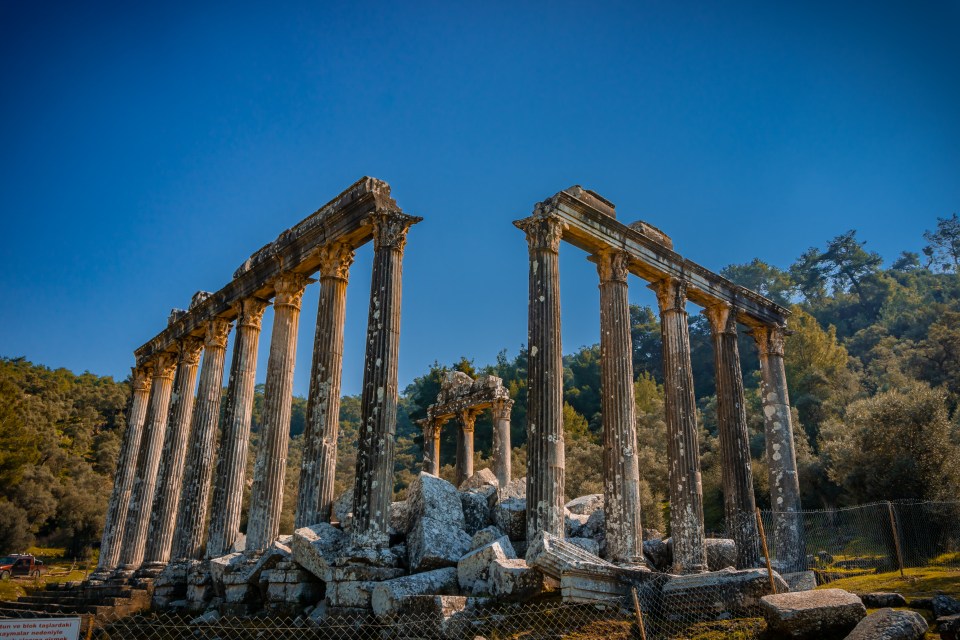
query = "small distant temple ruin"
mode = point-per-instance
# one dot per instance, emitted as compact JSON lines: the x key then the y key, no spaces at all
{"x":174,"y":516}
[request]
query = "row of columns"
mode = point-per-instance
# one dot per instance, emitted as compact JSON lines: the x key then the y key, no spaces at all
{"x":466,"y":422}
{"x":158,"y":511}
{"x":545,"y":461}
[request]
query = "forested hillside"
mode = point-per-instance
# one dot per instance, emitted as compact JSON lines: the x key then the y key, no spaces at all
{"x":873,"y":365}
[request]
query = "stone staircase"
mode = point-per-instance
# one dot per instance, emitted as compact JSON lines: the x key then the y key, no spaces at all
{"x":75,"y":598}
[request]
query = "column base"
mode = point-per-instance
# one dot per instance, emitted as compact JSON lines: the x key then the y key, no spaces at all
{"x":150,"y":570}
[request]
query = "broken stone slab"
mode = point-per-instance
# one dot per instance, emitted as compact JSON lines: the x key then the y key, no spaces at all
{"x":476,"y":511}
{"x":316,"y":548}
{"x":485,"y":536}
{"x":387,"y":597}
{"x":721,"y":553}
{"x":511,"y":517}
{"x":801,"y":580}
{"x":431,"y":497}
{"x":586,"y":505}
{"x":251,"y":571}
{"x":553,"y":555}
{"x":587,"y":544}
{"x":705,"y":596}
{"x":880,"y":600}
{"x":608,"y":584}
{"x":433,"y":544}
{"x":473,"y":569}
{"x":888,"y":624}
{"x":480,"y":479}
{"x":822,"y":613}
{"x":513,"y":579}
{"x":218,"y":566}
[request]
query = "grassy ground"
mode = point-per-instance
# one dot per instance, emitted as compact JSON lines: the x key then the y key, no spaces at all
{"x":59,"y":569}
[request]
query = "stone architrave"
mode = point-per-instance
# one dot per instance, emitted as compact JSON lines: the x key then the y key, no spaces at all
{"x":269,"y":471}
{"x":113,"y":528}
{"x":431,"y":446}
{"x":466,"y":422}
{"x":373,"y":486}
{"x":788,"y":540}
{"x":319,"y":466}
{"x":188,"y":541}
{"x":501,"y":441}
{"x":166,"y":500}
{"x":736,"y":468}
{"x":683,"y":454}
{"x":545,"y":445}
{"x":621,"y":472}
{"x":235,"y":435}
{"x":148,"y":462}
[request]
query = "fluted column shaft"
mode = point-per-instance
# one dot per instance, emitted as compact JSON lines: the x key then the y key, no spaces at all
{"x":621,"y":471}
{"x":735,"y":465}
{"x":788,"y":539}
{"x":270,"y":469}
{"x":545,"y":444}
{"x":431,"y":447}
{"x":148,"y":462}
{"x":166,"y":500}
{"x":188,"y":542}
{"x":501,"y":441}
{"x":373,"y":486}
{"x":235,"y":437}
{"x":116,"y":520}
{"x":319,"y":466}
{"x":683,"y":454}
{"x":466,"y":422}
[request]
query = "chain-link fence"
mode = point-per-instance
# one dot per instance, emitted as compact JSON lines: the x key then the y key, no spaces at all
{"x":837,"y":544}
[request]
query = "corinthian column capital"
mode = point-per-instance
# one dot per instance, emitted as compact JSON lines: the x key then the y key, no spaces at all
{"x":142,"y":377}
{"x":335,"y":260}
{"x":468,"y":419}
{"x":501,"y":409}
{"x":216,"y":334}
{"x":189,"y":350}
{"x":289,"y":287}
{"x":390,"y":229}
{"x":613,"y":265}
{"x":671,"y":294}
{"x":250,"y":312}
{"x":166,"y":365}
{"x":543,"y":231}
{"x":722,"y":318}
{"x":769,"y":339}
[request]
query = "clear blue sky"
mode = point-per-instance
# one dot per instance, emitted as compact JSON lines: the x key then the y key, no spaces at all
{"x":146,"y":151}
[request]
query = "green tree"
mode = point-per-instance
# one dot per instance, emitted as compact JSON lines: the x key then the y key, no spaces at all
{"x":943,"y":250}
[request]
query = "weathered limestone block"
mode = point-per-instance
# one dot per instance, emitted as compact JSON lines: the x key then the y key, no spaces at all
{"x":511,"y":517}
{"x":589,"y":584}
{"x":514,"y":579}
{"x":388,"y":597}
{"x":199,"y":588}
{"x":476,"y":511}
{"x":218,"y":566}
{"x":432,"y":544}
{"x":442,"y":616}
{"x":473,"y":569}
{"x":595,"y":526}
{"x":553,"y":555}
{"x":316,"y":548}
{"x":658,"y":553}
{"x":888,"y":624}
{"x":880,"y":600}
{"x":171,"y":585}
{"x":516,"y":488}
{"x":399,"y":517}
{"x":363,"y":573}
{"x":587,"y":544}
{"x":485,"y":536}
{"x":707,"y":595}
{"x":575,"y":523}
{"x":586,"y":505}
{"x":275,"y":553}
{"x":801,"y":580}
{"x":721,"y":553}
{"x":949,"y":627}
{"x":824,"y":613}
{"x":343,"y":506}
{"x":350,"y":593}
{"x":480,"y":479}
{"x":289,"y":588}
{"x":430,"y":497}
{"x":944,"y":605}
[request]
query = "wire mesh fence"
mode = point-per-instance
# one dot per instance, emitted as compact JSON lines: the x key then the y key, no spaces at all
{"x":837,"y":543}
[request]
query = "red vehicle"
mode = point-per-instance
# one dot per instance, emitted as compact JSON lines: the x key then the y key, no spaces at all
{"x":20,"y":565}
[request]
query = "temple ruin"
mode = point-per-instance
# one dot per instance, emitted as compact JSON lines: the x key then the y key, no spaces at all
{"x":173,"y":522}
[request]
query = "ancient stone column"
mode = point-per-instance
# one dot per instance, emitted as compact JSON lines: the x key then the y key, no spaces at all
{"x":735,"y":466}
{"x":621,"y":471}
{"x":188,"y":541}
{"x":373,"y":487}
{"x":148,"y":462}
{"x":466,"y":421}
{"x":235,"y":435}
{"x":166,"y":501}
{"x":545,"y":446}
{"x":319,"y":467}
{"x":431,"y":446}
{"x":269,"y":471}
{"x":683,"y":454}
{"x":788,"y":539}
{"x":501,"y":440}
{"x":113,"y":527}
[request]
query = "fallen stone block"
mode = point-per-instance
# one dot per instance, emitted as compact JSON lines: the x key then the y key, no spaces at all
{"x":480,"y":479}
{"x":218,"y":566}
{"x":609,"y":584}
{"x":441,"y":616}
{"x":801,"y":580}
{"x":387,"y":597}
{"x":476,"y":511}
{"x":658,"y":553}
{"x":430,"y":497}
{"x":485,"y":536}
{"x":511,"y":517}
{"x":267,"y":560}
{"x":433,"y":544}
{"x":721,"y":553}
{"x":587,"y":544}
{"x":574,"y":523}
{"x":705,"y":596}
{"x":316,"y":548}
{"x":343,"y":506}
{"x":943,"y":605}
{"x":516,"y":488}
{"x":822,"y":613}
{"x":949,"y":627}
{"x":888,"y":624}
{"x":585,"y":505}
{"x":363,"y":572}
{"x":350,"y":594}
{"x":513,"y":579}
{"x":596,"y":525}
{"x":473,"y":569}
{"x":880,"y":600}
{"x":399,"y":517}
{"x":553,"y":555}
